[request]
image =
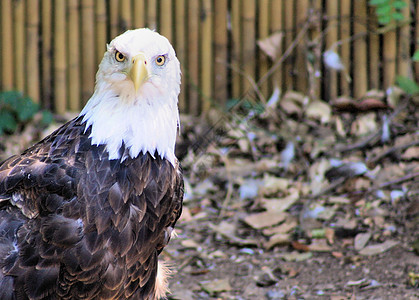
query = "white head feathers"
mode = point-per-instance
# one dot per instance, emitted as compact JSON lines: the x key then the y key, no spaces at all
{"x":145,"y":116}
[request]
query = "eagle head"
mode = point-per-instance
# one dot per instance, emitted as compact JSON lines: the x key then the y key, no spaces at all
{"x":135,"y":100}
{"x":140,"y":64}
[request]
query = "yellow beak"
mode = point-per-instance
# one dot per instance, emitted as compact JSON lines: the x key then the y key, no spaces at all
{"x":139,"y":71}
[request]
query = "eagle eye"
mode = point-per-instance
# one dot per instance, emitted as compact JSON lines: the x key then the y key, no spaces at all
{"x":119,"y":56}
{"x":160,"y":60}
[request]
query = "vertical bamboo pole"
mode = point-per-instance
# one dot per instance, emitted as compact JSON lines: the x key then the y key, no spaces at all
{"x":300,"y":69}
{"x":332,"y":11}
{"x":249,"y":44}
{"x":180,"y":42}
{"x":263,"y":32}
{"x":60,"y":95}
{"x":236,"y":61}
{"x":32,"y":49}
{"x":73,"y":55}
{"x":316,"y":35}
{"x":125,"y":15}
{"x":88,"y":45}
{"x":345,"y":48}
{"x":193,"y":57}
{"x":100,"y":36}
{"x":206,"y":55}
{"x":7,"y":45}
{"x":220,"y":62}
{"x":276,"y":26}
{"x":289,"y":17}
{"x":403,"y":51}
{"x":46,"y":57}
{"x":360,"y":49}
{"x":19,"y":44}
{"x":166,"y":19}
{"x":139,"y":17}
{"x":374,"y":58}
{"x":389,"y":56}
{"x":114,"y":17}
{"x":152,"y":14}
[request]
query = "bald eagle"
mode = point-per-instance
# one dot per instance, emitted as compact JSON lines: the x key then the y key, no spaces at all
{"x":85,"y":212}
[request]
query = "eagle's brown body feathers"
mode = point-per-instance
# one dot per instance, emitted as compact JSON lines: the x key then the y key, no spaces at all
{"x":76,"y":225}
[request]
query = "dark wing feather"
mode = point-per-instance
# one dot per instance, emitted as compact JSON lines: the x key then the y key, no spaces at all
{"x":75,"y":224}
{"x":33,"y":188}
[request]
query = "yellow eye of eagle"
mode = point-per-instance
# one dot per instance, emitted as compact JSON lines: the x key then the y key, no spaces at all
{"x":119,"y":56}
{"x":160,"y":60}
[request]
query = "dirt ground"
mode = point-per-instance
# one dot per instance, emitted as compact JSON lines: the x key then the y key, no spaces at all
{"x":252,"y":273}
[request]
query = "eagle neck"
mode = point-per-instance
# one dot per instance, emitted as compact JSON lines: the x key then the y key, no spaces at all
{"x":139,"y":126}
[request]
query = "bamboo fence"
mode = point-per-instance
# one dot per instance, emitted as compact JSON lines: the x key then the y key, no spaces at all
{"x":50,"y":49}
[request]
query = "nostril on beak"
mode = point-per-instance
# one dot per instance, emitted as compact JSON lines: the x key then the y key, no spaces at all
{"x":134,"y":59}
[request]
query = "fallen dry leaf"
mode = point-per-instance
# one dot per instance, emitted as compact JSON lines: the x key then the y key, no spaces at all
{"x":299,"y":246}
{"x":361,"y":282}
{"x":411,"y":153}
{"x":272,"y":185}
{"x":216,"y":286}
{"x":319,"y":245}
{"x":368,"y":104}
{"x":364,"y":125}
{"x":264,"y":219}
{"x":217,"y":254}
{"x":280,"y":204}
{"x":285,"y":227}
{"x":319,"y":110}
{"x":361,"y":239}
{"x":378,"y":248}
{"x":296,"y":256}
{"x":337,"y":254}
{"x":277,"y":239}
{"x":190,"y":244}
{"x":228,"y":230}
{"x":266,"y":278}
{"x":344,"y":103}
{"x":271,"y":45}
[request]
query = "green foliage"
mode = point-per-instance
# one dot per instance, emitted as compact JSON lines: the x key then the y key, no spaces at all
{"x":17,"y":109}
{"x":388,"y":11}
{"x":408,"y":85}
{"x":244,"y":106}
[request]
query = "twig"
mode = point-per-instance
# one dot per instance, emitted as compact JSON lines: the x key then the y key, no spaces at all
{"x":332,"y":186}
{"x":386,"y":184}
{"x":379,"y":157}
{"x":251,"y":81}
{"x":361,"y":144}
{"x":349,"y":39}
{"x":396,"y":181}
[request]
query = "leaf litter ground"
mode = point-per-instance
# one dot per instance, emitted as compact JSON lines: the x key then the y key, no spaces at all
{"x":300,"y":199}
